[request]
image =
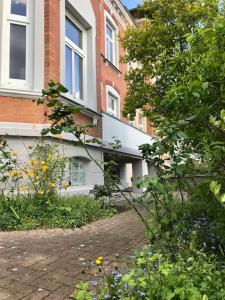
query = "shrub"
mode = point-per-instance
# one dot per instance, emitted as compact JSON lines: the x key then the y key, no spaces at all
{"x":42,"y":175}
{"x":23,"y":213}
{"x":156,"y":276}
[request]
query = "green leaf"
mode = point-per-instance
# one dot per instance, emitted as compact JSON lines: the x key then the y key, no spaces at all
{"x":205,"y":85}
{"x":197,"y":95}
{"x":222,"y":198}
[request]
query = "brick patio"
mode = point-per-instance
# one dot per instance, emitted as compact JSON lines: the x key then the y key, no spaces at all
{"x":46,"y":264}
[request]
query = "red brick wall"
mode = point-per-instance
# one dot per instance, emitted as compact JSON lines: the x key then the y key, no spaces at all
{"x":109,"y":76}
{"x":21,"y":110}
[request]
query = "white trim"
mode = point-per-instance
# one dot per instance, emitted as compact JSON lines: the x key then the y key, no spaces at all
{"x":82,"y":53}
{"x":27,"y":22}
{"x":123,"y":12}
{"x":108,"y":20}
{"x":82,"y":11}
{"x":34,"y":130}
{"x":20,"y":93}
{"x":114,"y":93}
{"x":34,"y":23}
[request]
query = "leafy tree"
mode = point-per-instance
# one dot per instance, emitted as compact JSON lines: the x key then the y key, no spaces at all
{"x":179,"y":49}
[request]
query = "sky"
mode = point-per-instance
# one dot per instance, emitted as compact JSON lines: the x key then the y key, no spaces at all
{"x":131,"y":3}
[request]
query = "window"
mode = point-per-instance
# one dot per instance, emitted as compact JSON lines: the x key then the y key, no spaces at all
{"x":17,"y":52}
{"x":141,"y":122}
{"x":77,"y":172}
{"x":111,"y":32}
{"x":110,"y":43}
{"x":74,"y":58}
{"x":112,"y":101}
{"x":112,"y":104}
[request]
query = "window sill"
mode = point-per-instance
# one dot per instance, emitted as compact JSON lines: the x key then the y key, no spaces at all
{"x":19,"y":93}
{"x":110,"y":64}
{"x":85,"y":110}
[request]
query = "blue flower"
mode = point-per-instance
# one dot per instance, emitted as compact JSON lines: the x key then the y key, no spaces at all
{"x":93,"y":282}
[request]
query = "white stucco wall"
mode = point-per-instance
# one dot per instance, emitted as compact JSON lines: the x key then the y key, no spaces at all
{"x":93,"y":173}
{"x":129,"y":136}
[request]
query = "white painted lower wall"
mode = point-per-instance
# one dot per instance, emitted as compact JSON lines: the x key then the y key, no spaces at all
{"x":94,"y":175}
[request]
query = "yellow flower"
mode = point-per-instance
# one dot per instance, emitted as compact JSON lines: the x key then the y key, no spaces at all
{"x":44,"y":168}
{"x":62,"y":157}
{"x":52,"y":184}
{"x":98,"y":262}
{"x":23,"y":189}
{"x":41,"y":193}
{"x":36,"y":178}
{"x":30,"y":173}
{"x":34,"y":162}
{"x":58,"y":136}
{"x":13,"y":173}
{"x":50,"y":156}
{"x":100,"y":258}
{"x":43,"y":162}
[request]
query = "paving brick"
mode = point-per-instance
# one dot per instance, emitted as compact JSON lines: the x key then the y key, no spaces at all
{"x":46,"y":264}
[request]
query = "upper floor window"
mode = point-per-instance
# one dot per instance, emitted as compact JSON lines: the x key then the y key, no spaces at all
{"x":19,"y":7}
{"x":77,"y":172}
{"x":17,"y":53}
{"x":110,"y":42}
{"x":111,"y":32}
{"x":113,"y":102}
{"x":141,"y":121}
{"x":74,"y":58}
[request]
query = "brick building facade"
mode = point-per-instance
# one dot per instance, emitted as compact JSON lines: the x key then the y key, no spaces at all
{"x":75,"y":42}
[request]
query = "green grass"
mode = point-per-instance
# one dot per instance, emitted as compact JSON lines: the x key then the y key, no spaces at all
{"x":31,"y":213}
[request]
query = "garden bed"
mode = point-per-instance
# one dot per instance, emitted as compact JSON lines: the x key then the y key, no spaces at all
{"x":25,"y":213}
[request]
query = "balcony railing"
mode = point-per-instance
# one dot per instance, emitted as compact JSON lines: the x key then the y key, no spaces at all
{"x":130,"y":137}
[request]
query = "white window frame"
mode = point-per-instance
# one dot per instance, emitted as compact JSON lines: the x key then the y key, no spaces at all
{"x":114,"y":40}
{"x":110,"y":91}
{"x":141,"y":126}
{"x":79,"y":171}
{"x":27,"y":21}
{"x":81,"y":53}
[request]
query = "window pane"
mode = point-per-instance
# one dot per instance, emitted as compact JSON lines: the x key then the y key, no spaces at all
{"x":17,"y":69}
{"x":19,"y":7}
{"x":73,"y":33}
{"x":111,"y":103}
{"x":109,"y":31}
{"x":78,"y":76}
{"x":109,"y":54}
{"x":69,"y":69}
{"x":77,"y":173}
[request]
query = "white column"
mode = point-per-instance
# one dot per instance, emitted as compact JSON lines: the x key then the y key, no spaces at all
{"x":140,"y":169}
{"x":123,"y":175}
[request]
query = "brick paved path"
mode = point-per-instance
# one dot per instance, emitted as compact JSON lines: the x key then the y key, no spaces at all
{"x":46,"y":264}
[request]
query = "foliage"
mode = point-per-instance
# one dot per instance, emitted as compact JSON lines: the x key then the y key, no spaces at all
{"x":195,"y":276}
{"x":41,"y":176}
{"x":100,"y":191}
{"x":180,"y":53}
{"x":156,"y":276}
{"x":60,"y":213}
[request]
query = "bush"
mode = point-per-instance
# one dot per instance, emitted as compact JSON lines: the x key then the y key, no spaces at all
{"x":24,"y":213}
{"x":156,"y":276}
